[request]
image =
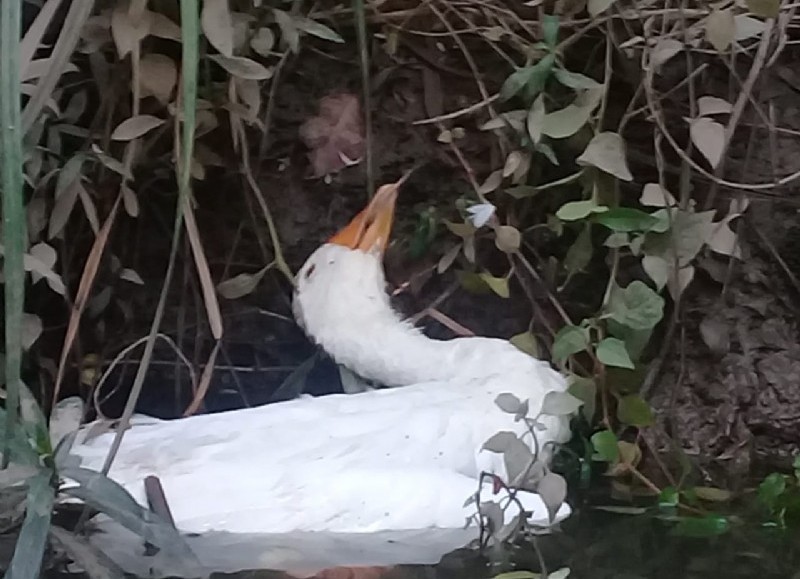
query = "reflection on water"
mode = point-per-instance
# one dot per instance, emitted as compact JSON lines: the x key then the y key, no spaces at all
{"x":593,"y":545}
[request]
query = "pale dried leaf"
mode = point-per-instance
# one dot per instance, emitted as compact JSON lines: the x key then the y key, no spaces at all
{"x":129,"y":200}
{"x":709,"y":138}
{"x":493,"y":181}
{"x":242,"y":67}
{"x":241,"y":285}
{"x":711,"y":105}
{"x":535,"y":120}
{"x":606,"y":151}
{"x":716,"y":334}
{"x":249,"y":92}
{"x":658,"y":269}
{"x":158,"y":76}
{"x":45,"y":259}
{"x":553,"y":490}
{"x":41,"y":67}
{"x":36,"y":216}
{"x":664,"y":50}
{"x":130,"y":275}
{"x":88,"y":207}
{"x":217,"y":25}
{"x":263,"y":41}
{"x":595,"y":7}
{"x":507,"y":238}
{"x":653,"y":195}
{"x":135,"y":127}
{"x":500,"y":442}
{"x":289,"y":32}
{"x":723,"y":239}
{"x":560,"y":403}
{"x":512,"y":163}
{"x":33,"y":36}
{"x":75,"y":107}
{"x":162,"y":27}
{"x":31,"y":329}
{"x":720,"y":29}
{"x":62,"y":209}
{"x":127,"y":32}
{"x":685,"y":277}
{"x":747,"y":27}
{"x":507,"y":402}
{"x":447,"y":259}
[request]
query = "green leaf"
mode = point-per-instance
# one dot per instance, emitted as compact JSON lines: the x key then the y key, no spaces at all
{"x":550,"y":30}
{"x":530,"y":78}
{"x":713,"y":494}
{"x":580,"y":252}
{"x":560,"y":403}
{"x":772,"y":489}
{"x":575,"y":210}
{"x":29,"y":550}
{"x":626,"y":219}
{"x":616,"y":240}
{"x":526,"y":342}
{"x":498,"y":285}
{"x":637,"y":306}
{"x":110,"y":498}
{"x":668,"y":497}
{"x":702,"y":527}
{"x":585,"y":390}
{"x":634,"y":411}
{"x":568,"y":341}
{"x":605,"y":446}
{"x":612,"y":352}
{"x":473,"y":283}
{"x":575,"y":80}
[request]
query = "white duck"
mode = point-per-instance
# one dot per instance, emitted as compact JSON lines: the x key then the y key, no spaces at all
{"x":395,"y":460}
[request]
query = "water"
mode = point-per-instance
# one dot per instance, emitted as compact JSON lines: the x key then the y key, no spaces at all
{"x":593,"y":544}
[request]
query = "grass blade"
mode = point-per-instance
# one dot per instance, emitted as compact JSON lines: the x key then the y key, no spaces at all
{"x":28,"y":553}
{"x":68,"y":38}
{"x":109,"y":497}
{"x":13,"y":210}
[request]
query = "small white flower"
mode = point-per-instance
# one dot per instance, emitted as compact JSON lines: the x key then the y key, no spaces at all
{"x":481,"y":214}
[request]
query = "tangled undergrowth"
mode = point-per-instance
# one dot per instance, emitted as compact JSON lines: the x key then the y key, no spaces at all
{"x":601,"y":158}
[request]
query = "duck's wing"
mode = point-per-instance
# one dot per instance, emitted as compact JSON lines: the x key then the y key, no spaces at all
{"x":260,"y":460}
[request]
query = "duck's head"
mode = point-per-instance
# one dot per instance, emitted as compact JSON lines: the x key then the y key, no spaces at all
{"x":342,"y":284}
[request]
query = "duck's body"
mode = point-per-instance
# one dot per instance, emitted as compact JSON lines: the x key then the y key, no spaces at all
{"x":395,"y":459}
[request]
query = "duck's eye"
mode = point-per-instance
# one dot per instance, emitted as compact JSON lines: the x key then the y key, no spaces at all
{"x":310,"y":270}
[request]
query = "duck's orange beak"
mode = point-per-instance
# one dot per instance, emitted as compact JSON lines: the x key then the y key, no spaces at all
{"x":370,"y":229}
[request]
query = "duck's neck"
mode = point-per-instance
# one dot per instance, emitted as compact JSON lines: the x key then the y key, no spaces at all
{"x":383,"y":348}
